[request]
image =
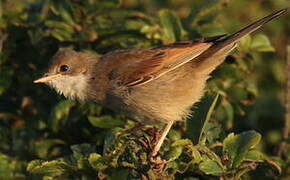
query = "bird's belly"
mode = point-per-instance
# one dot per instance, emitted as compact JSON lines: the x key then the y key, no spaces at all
{"x":168,"y":98}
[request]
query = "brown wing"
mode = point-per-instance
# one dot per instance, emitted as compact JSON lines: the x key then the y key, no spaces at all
{"x":137,"y":67}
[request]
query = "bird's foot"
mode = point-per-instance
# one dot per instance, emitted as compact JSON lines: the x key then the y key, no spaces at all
{"x":153,"y":132}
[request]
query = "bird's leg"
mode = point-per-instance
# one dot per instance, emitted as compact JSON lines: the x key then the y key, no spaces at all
{"x":162,"y":138}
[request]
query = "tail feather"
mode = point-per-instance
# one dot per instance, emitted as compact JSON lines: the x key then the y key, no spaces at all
{"x":250,"y":28}
{"x":223,"y":46}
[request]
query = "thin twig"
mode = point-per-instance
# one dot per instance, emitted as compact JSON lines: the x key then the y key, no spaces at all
{"x":216,"y":144}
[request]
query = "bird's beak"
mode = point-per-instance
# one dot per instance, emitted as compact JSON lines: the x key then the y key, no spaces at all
{"x":47,"y":78}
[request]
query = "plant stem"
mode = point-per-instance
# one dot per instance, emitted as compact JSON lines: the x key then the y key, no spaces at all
{"x":202,"y":135}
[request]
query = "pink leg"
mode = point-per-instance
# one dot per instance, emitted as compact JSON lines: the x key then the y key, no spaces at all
{"x":162,"y":138}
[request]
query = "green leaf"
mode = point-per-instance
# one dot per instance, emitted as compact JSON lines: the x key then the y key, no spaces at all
{"x":61,"y":35}
{"x":109,"y":3}
{"x":238,"y":93}
{"x":182,"y":167}
{"x":182,"y":142}
{"x":261,"y":43}
{"x":174,"y":153}
{"x":254,"y":155}
{"x":64,"y":9}
{"x":97,"y":162}
{"x":111,"y":138}
{"x":34,"y":164}
{"x":59,"y":25}
{"x":103,"y":6}
{"x":174,"y":135}
{"x":171,"y":25}
{"x":211,"y":167}
{"x":209,"y":154}
{"x":50,"y":168}
{"x":211,"y":30}
{"x":195,"y":155}
{"x":212,"y":132}
{"x":245,"y":43}
{"x":44,"y":148}
{"x":229,"y":110}
{"x":5,"y":79}
{"x":60,"y":114}
{"x":237,"y":146}
{"x":105,"y":121}
{"x":6,"y":170}
{"x":82,"y":150}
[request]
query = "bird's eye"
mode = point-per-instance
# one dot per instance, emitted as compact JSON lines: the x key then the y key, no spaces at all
{"x":64,"y":68}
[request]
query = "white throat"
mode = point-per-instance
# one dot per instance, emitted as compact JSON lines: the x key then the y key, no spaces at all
{"x":72,"y":87}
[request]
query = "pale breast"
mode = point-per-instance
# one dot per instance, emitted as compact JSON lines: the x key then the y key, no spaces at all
{"x":72,"y":87}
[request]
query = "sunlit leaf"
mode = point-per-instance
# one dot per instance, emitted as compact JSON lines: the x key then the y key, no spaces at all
{"x":196,"y":155}
{"x":44,"y":148}
{"x":63,"y":9}
{"x":60,"y":25}
{"x":174,"y":135}
{"x":51,"y":168}
{"x":261,"y":43}
{"x":211,"y":30}
{"x":210,"y":167}
{"x":6,"y":171}
{"x":245,"y":43}
{"x":173,"y":153}
{"x":61,"y":35}
{"x":182,"y":142}
{"x":237,"y":146}
{"x":254,"y":155}
{"x":97,"y":161}
{"x":209,"y":154}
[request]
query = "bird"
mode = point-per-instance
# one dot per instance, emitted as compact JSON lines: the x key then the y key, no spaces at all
{"x":156,"y":85}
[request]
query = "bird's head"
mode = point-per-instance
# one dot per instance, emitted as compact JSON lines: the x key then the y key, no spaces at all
{"x":69,"y":73}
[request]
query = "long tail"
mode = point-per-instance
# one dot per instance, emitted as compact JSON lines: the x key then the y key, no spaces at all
{"x":224,"y":45}
{"x":250,"y":28}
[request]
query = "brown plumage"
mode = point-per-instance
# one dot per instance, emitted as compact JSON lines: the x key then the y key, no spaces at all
{"x":154,"y":85}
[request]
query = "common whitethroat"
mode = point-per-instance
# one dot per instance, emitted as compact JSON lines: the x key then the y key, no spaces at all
{"x":152,"y":85}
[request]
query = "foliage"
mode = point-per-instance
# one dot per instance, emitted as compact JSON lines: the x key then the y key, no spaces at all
{"x":43,"y":136}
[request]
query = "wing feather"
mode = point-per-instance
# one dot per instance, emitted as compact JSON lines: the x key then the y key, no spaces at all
{"x":138,"y":67}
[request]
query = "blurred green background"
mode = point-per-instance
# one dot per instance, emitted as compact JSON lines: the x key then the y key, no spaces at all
{"x":36,"y":123}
